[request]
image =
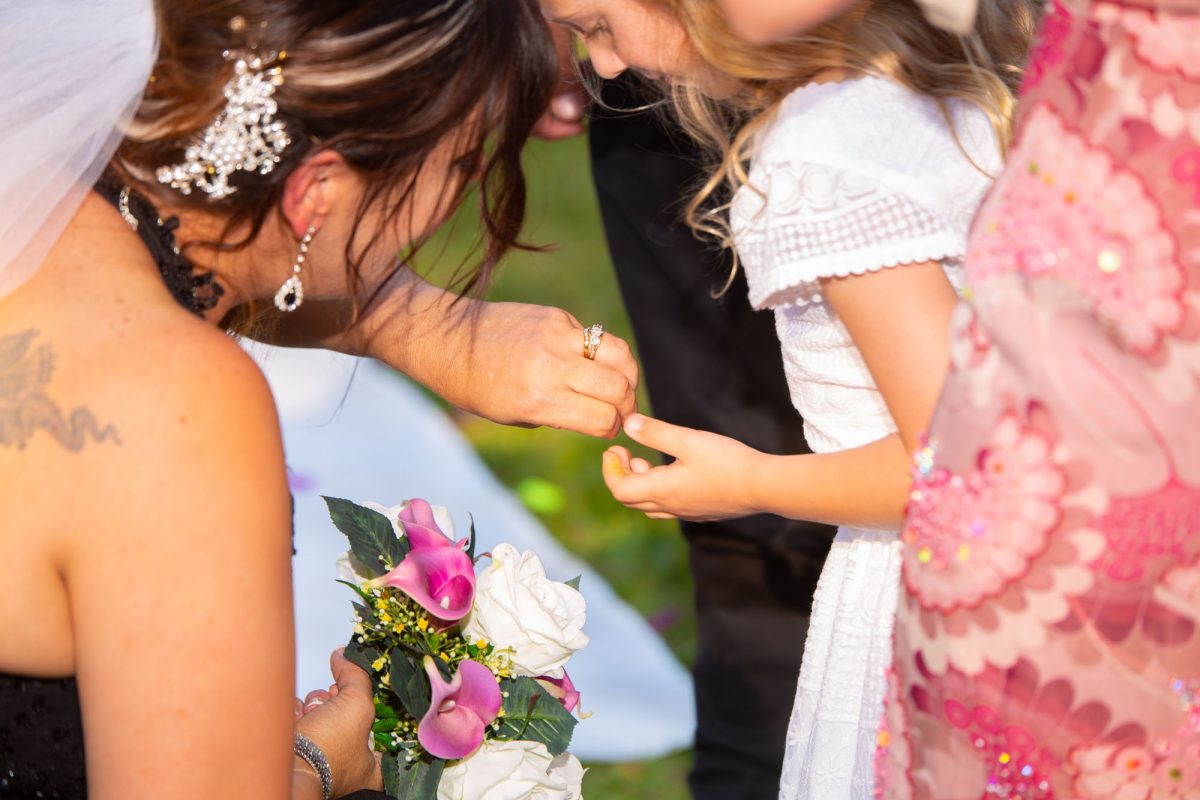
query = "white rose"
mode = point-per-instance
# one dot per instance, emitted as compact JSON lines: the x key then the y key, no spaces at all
{"x":351,"y":570}
{"x":513,"y":771}
{"x":518,"y":607}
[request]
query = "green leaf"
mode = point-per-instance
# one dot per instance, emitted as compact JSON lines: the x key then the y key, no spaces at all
{"x":416,"y":781}
{"x":574,"y":582}
{"x":473,"y":540}
{"x":410,"y":684}
{"x":357,"y":590}
{"x":533,"y":714}
{"x":372,"y":539}
{"x":362,"y":656}
{"x":366,"y":615}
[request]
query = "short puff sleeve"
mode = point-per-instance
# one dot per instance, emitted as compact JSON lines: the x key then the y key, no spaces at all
{"x":855,"y":178}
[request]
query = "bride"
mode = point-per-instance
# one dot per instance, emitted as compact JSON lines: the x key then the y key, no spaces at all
{"x":283,"y":154}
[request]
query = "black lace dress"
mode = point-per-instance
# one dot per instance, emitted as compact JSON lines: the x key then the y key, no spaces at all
{"x":41,"y":727}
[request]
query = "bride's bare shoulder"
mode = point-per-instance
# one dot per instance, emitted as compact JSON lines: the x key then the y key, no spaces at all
{"x":102,"y":379}
{"x":127,"y":403}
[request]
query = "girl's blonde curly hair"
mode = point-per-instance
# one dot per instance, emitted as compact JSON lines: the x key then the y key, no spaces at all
{"x":739,"y":85}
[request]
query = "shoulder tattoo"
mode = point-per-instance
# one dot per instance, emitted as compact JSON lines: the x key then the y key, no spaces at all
{"x":26,"y":368}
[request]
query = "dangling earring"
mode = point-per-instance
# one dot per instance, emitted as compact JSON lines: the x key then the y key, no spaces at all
{"x":291,"y":294}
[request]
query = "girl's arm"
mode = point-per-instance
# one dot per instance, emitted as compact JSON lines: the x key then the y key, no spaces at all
{"x":899,"y":320}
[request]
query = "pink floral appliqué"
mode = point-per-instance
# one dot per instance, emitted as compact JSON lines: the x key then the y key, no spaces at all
{"x":893,"y":756}
{"x":1169,"y":767}
{"x":1002,"y":733}
{"x":1147,"y":537}
{"x":1017,"y":764}
{"x":994,"y":556}
{"x":1181,"y":585}
{"x":970,"y":536}
{"x":1067,"y":210}
{"x":1169,"y":43}
{"x":970,"y":343}
{"x":1151,"y":533}
{"x":1048,"y":50}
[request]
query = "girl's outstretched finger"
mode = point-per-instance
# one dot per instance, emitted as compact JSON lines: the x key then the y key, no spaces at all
{"x":656,"y":434}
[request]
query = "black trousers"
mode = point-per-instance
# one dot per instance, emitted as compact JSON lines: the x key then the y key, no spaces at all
{"x":715,"y":365}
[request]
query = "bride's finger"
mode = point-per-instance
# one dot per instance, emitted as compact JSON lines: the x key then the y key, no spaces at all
{"x":604,"y":383}
{"x":615,"y":353}
{"x":315,"y":698}
{"x":299,"y":708}
{"x":588,"y":415}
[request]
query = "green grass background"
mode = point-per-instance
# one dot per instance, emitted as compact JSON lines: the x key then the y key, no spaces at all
{"x":557,"y":473}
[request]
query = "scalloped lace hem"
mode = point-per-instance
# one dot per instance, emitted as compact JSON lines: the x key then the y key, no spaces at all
{"x":798,"y":283}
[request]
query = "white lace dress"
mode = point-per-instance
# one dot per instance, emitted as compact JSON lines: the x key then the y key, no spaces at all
{"x":851,"y":177}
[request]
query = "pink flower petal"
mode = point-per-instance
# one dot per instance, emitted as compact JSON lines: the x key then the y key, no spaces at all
{"x":441,"y":580}
{"x":562,"y":690}
{"x":460,"y":710}
{"x":420,"y":512}
{"x":420,"y":527}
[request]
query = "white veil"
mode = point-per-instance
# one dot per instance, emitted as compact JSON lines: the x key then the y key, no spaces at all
{"x":72,"y":73}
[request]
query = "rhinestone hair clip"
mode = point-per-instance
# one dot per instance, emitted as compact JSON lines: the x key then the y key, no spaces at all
{"x":245,"y":137}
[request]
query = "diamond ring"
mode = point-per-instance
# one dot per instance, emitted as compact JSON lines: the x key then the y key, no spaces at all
{"x":592,"y":337}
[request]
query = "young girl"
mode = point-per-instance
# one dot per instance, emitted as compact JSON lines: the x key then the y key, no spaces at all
{"x":871,"y":142}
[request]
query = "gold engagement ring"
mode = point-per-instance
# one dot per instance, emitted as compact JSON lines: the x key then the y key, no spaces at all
{"x":592,"y":336}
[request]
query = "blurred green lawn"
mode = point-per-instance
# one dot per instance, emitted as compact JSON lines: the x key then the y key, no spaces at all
{"x":557,"y":473}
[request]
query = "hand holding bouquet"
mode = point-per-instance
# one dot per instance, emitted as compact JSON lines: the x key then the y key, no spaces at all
{"x":472,"y":701}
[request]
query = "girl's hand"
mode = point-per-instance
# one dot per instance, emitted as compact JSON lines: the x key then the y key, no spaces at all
{"x":339,"y":722}
{"x":711,"y":477}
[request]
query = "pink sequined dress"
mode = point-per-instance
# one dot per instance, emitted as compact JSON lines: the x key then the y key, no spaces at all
{"x":1048,"y":632}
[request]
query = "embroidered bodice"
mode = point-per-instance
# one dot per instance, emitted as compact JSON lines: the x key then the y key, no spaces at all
{"x":853,"y":177}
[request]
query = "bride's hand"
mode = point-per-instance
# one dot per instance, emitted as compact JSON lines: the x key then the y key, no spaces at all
{"x":339,"y":722}
{"x":711,"y":477}
{"x":522,"y":364}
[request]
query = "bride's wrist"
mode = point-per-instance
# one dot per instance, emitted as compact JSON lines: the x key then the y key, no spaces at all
{"x":306,"y":782}
{"x":313,"y":757}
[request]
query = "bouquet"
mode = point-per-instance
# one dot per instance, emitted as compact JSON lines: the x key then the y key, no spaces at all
{"x":472,"y":701}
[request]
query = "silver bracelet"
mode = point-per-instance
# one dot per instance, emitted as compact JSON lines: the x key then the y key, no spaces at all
{"x":307,"y":749}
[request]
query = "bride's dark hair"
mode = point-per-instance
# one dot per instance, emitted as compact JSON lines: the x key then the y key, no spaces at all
{"x":381,"y":82}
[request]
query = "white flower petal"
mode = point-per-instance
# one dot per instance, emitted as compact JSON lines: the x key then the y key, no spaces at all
{"x":518,"y":607}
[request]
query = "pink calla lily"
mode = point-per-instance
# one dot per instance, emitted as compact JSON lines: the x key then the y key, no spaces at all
{"x":460,"y":710}
{"x":562,"y":690}
{"x":440,"y":579}
{"x":436,"y":573}
{"x":421,"y":528}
